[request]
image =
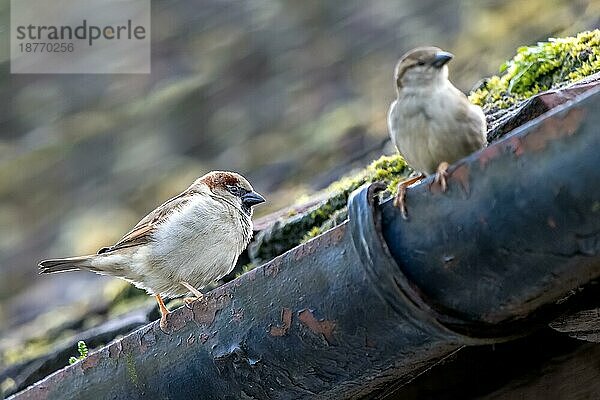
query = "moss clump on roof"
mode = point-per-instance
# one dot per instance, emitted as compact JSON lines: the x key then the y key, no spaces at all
{"x":388,"y":169}
{"x":298,"y":228}
{"x":335,"y":219}
{"x":534,"y":69}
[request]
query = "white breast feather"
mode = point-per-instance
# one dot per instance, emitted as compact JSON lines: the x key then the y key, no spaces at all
{"x":198,"y":244}
{"x":425,"y":128}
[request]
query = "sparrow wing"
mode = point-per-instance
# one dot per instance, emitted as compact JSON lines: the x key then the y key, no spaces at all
{"x":479,"y":124}
{"x":474,"y":123}
{"x":140,"y":234}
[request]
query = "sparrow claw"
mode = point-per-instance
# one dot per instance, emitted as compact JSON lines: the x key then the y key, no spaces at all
{"x":164,"y":311}
{"x":400,"y":198}
{"x":163,"y":323}
{"x":198,"y":294}
{"x":189,"y":300}
{"x":441,"y":175}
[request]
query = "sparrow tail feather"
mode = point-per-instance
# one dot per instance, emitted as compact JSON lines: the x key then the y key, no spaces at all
{"x":66,"y":264}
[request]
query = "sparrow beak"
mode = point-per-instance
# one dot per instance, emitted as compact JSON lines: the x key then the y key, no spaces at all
{"x":252,"y":198}
{"x":441,"y":58}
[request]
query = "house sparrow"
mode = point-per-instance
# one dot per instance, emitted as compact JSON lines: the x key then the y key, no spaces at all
{"x":186,"y":243}
{"x":431,"y":122}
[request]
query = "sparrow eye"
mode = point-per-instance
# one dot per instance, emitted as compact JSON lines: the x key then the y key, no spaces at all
{"x":236,"y":190}
{"x":420,"y":62}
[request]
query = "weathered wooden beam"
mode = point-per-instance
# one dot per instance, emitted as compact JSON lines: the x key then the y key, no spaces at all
{"x":378,"y":299}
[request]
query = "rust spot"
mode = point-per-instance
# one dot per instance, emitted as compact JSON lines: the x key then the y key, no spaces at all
{"x":555,"y":98}
{"x":205,"y":309}
{"x":488,"y":154}
{"x":551,"y":222}
{"x":306,"y":249}
{"x":286,"y":320}
{"x":115,"y":350}
{"x":512,"y":144}
{"x":461,"y":175}
{"x":147,"y":339}
{"x":273,"y":268}
{"x":176,"y":320}
{"x":131,"y":343}
{"x":320,"y":327}
{"x":515,"y":145}
{"x":202,"y":311}
{"x":336,"y":235}
{"x":553,"y":128}
{"x":551,"y":99}
{"x":90,"y":361}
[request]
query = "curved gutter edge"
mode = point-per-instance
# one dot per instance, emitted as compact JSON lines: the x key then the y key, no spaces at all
{"x":392,"y":286}
{"x":518,"y":231}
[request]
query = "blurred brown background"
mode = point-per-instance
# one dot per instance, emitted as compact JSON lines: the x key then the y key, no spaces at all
{"x":285,"y":92}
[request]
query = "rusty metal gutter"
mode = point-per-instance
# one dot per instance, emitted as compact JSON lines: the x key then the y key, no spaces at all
{"x":378,"y":299}
{"x":518,"y":231}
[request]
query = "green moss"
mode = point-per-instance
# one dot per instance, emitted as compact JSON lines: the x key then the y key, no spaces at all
{"x":388,"y":169}
{"x":298,"y":228}
{"x":334,"y":219}
{"x":83,"y":352}
{"x":546,"y":66}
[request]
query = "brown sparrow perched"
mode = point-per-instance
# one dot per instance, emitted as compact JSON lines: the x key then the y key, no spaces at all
{"x":186,"y":243}
{"x":431,"y":122}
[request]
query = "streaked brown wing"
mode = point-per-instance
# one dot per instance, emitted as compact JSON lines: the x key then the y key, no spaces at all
{"x":140,"y":234}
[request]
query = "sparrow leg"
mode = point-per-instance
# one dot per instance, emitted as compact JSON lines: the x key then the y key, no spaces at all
{"x":441,"y":175}
{"x":399,"y":200}
{"x":194,"y":291}
{"x":164,"y":311}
